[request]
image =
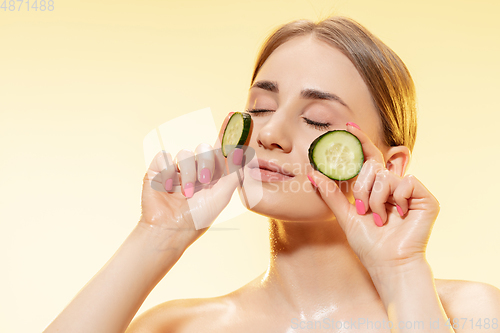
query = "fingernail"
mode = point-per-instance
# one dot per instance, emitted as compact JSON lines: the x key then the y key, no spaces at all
{"x":168,"y":184}
{"x":353,"y":125}
{"x":360,"y":207}
{"x":400,"y":211}
{"x":237,"y":156}
{"x":205,"y":176}
{"x":189,"y":190}
{"x":312,"y":181}
{"x":377,"y":219}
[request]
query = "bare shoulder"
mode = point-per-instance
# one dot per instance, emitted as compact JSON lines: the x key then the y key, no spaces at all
{"x":227,"y":313}
{"x":182,"y":315}
{"x":469,"y":299}
{"x":461,"y":299}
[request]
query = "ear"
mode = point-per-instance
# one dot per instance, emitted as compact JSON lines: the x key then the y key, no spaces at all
{"x":397,"y":159}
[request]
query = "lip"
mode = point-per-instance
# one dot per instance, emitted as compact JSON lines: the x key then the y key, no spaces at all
{"x":267,"y":176}
{"x":269,"y":165}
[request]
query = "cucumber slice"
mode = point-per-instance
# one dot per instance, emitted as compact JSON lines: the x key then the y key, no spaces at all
{"x":236,"y":132}
{"x":337,"y":154}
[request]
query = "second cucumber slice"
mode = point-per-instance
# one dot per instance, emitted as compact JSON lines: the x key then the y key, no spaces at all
{"x":337,"y":154}
{"x":236,"y":132}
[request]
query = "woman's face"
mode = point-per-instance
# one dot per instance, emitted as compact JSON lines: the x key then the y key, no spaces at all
{"x":283,"y":136}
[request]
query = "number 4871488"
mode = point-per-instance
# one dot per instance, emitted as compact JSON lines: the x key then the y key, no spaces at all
{"x":36,"y":5}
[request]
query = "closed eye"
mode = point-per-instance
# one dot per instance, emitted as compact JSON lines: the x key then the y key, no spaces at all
{"x":314,"y":124}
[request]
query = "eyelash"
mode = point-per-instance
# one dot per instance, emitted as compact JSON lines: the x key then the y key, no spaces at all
{"x":316,"y":125}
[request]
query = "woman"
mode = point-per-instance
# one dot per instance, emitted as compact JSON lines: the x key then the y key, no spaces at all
{"x":345,"y":256}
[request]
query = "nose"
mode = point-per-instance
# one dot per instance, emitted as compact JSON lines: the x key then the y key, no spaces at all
{"x":276,"y":133}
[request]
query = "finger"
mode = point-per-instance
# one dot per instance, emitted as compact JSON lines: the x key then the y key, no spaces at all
{"x":217,"y":198}
{"x":234,"y":162}
{"x":364,"y":183}
{"x":168,"y":170}
{"x":160,"y":171}
{"x":332,"y":196}
{"x":185,"y":162}
{"x":370,"y":151}
{"x":384,"y":186}
{"x":205,"y":162}
{"x":412,"y":188}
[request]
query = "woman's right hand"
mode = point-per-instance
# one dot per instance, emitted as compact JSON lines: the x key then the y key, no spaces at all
{"x":185,"y":216}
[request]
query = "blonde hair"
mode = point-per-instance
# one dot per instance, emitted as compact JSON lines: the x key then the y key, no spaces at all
{"x":388,"y":80}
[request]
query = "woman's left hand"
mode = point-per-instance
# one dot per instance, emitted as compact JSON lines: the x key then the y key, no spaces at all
{"x":399,"y":212}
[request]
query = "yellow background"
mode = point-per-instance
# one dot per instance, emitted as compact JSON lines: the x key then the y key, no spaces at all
{"x":82,"y":85}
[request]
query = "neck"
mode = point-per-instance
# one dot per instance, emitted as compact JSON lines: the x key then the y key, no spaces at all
{"x":313,"y":268}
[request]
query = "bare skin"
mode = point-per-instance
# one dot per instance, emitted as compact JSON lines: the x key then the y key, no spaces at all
{"x":329,"y":259}
{"x":313,"y":273}
{"x":252,"y":309}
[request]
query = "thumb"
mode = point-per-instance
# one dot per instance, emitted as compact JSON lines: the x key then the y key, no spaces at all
{"x":224,"y":188}
{"x":333,"y":196}
{"x":206,"y":205}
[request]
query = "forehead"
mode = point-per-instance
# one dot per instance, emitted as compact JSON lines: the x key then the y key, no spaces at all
{"x":306,"y":62}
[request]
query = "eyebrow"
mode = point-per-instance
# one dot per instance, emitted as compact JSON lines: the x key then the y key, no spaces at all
{"x":272,"y":86}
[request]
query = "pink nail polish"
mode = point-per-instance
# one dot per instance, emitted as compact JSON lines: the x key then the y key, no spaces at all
{"x":237,"y":156}
{"x":189,"y":190}
{"x":360,"y":207}
{"x":312,"y":181}
{"x":353,"y":125}
{"x":168,"y":184}
{"x":400,"y":211}
{"x":377,"y":219}
{"x":205,"y":176}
